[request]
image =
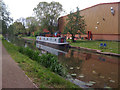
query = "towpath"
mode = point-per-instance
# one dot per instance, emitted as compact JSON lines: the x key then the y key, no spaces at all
{"x":12,"y":75}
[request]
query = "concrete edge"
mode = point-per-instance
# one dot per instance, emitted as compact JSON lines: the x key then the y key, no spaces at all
{"x":96,"y":51}
{"x":30,"y":80}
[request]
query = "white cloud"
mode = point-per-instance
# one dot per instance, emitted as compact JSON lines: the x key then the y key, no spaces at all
{"x":24,"y":8}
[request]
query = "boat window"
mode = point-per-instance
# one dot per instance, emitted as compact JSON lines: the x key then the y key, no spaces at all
{"x":47,"y":38}
{"x":55,"y":39}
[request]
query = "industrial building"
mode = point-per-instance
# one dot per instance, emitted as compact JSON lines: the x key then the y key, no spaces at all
{"x":102,"y":21}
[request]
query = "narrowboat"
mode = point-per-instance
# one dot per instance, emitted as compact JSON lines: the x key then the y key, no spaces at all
{"x":52,"y":40}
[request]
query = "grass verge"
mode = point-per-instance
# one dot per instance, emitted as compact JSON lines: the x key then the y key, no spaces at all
{"x":34,"y":38}
{"x":40,"y":75}
{"x":112,"y":46}
{"x":0,"y":36}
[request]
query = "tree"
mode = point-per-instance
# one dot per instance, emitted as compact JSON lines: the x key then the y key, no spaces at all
{"x":47,"y":14}
{"x":22,"y":20}
{"x":10,"y":30}
{"x":75,"y":24}
{"x":31,"y":24}
{"x":17,"y":28}
{"x":4,"y":17}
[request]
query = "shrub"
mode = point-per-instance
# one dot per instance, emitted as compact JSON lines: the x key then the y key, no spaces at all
{"x":48,"y":60}
{"x":30,"y":53}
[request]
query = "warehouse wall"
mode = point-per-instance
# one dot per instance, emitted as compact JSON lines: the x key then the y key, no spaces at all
{"x":100,"y":21}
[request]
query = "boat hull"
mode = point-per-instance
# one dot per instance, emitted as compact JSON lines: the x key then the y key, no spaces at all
{"x":53,"y":45}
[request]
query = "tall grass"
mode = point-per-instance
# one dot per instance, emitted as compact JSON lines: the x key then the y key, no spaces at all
{"x":48,"y":60}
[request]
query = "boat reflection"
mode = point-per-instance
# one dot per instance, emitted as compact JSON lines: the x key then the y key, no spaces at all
{"x":50,"y":49}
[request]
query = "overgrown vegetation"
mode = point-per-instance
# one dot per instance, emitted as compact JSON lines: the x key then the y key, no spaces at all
{"x":48,"y":60}
{"x":40,"y":75}
{"x":112,"y":46}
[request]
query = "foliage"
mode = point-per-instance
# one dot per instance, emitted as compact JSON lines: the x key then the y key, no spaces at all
{"x":37,"y":33}
{"x":4,"y":17}
{"x":5,"y":13}
{"x":1,"y":36}
{"x":22,"y":20}
{"x":32,"y":25}
{"x":10,"y":29}
{"x":48,"y":60}
{"x":47,"y":14}
{"x":29,"y":52}
{"x":31,"y":21}
{"x":16,"y":28}
{"x":3,"y":30}
{"x":75,"y":24}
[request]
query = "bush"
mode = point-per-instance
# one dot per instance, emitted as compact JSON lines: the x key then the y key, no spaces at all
{"x":30,"y":53}
{"x":48,"y":60}
{"x":51,"y":61}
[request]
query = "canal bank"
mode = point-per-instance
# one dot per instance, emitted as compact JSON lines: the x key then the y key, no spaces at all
{"x":40,"y":75}
{"x":96,"y":51}
{"x":30,"y":38}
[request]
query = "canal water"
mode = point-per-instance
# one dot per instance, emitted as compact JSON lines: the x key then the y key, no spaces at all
{"x":86,"y":69}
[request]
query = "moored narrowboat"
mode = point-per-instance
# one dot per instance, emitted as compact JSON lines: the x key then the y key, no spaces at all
{"x":52,"y":40}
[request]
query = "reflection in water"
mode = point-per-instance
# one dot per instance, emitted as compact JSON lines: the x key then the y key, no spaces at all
{"x":59,"y":47}
{"x":25,"y":45}
{"x":49,"y":49}
{"x":101,"y":71}
{"x":96,"y":70}
{"x":13,"y":39}
{"x":21,"y":42}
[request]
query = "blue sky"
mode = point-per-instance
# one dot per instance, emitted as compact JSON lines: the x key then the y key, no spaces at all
{"x":24,"y":8}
